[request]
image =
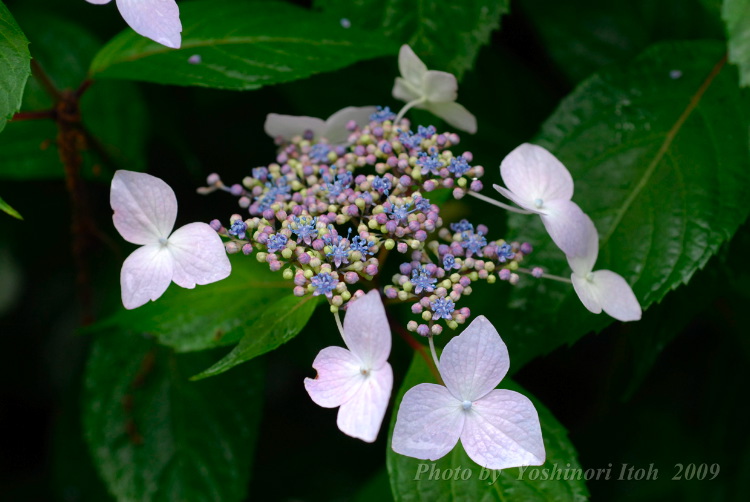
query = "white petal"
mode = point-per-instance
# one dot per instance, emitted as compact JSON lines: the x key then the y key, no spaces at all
{"x":474,"y":362}
{"x":587,"y":293}
{"x":532,"y":173}
{"x":158,"y":20}
{"x":411,"y":67}
{"x":440,"y":87}
{"x":405,"y":91}
{"x":522,"y":202}
{"x":145,"y":207}
{"x":582,"y":265}
{"x":339,"y":377}
{"x":455,"y":114}
{"x":98,"y":2}
{"x":289,"y":126}
{"x":362,"y":415}
{"x":145,"y":275}
{"x":429,"y":422}
{"x":568,"y":226}
{"x":616,"y":296}
{"x":335,"y":127}
{"x":502,"y":430}
{"x":366,"y":330}
{"x":199,"y":255}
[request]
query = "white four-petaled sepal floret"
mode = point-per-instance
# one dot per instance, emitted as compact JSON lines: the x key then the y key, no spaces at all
{"x":158,"y":20}
{"x":497,"y":428}
{"x":145,"y":210}
{"x":602,"y":289}
{"x":540,"y":183}
{"x":435,"y":91}
{"x":358,"y":380}
{"x":333,"y":129}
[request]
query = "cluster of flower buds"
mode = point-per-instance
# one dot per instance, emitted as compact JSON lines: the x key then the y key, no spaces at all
{"x":323,"y":212}
{"x":463,"y":257}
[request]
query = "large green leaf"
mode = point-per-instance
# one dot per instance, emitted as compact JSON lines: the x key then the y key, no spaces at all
{"x":447,"y":35}
{"x":410,"y":477}
{"x":113,"y":111}
{"x":15,"y":68}
{"x":243,"y":46}
{"x":736,"y":14}
{"x":155,"y":436}
{"x":218,"y":314}
{"x":659,"y":153}
{"x":6,"y":208}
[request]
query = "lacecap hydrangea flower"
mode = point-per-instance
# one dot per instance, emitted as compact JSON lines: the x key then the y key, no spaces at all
{"x":145,"y":210}
{"x":158,"y":20}
{"x":357,"y":380}
{"x":498,"y":428}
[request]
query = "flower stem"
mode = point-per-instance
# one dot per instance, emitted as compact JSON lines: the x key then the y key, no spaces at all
{"x":338,"y":323}
{"x":406,"y":108}
{"x":547,"y":276}
{"x":497,"y":203}
{"x":434,"y":354}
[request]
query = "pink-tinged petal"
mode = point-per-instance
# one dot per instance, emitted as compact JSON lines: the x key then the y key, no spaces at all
{"x":405,"y":91}
{"x":583,"y":264}
{"x":440,"y":87}
{"x":474,"y":362}
{"x":411,"y":67}
{"x":502,"y":430}
{"x":145,"y":207}
{"x":616,"y":296}
{"x":98,"y":2}
{"x":339,"y":377}
{"x":335,"y":127}
{"x":145,"y":275}
{"x":568,"y":226}
{"x":532,"y":173}
{"x":429,"y":422}
{"x":587,"y":293}
{"x":199,"y":256}
{"x":455,"y":114}
{"x":521,"y":202}
{"x":362,"y":415}
{"x":366,"y":330}
{"x":158,"y":20}
{"x":289,"y":126}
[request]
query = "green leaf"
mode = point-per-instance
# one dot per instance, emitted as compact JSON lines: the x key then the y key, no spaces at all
{"x":446,"y":35}
{"x":155,"y":436}
{"x":736,"y":14}
{"x":15,"y":69}
{"x":241,"y":46}
{"x":5,"y":207}
{"x":410,"y":477}
{"x":218,"y":314}
{"x":659,"y":153}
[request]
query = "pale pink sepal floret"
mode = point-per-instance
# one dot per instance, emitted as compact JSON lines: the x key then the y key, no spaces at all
{"x":602,"y":289}
{"x":158,"y":20}
{"x":540,"y":183}
{"x":358,"y":380}
{"x":497,"y":428}
{"x":145,"y":209}
{"x":333,"y":129}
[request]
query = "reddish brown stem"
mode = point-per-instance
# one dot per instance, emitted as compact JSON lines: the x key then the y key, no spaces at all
{"x":40,"y":115}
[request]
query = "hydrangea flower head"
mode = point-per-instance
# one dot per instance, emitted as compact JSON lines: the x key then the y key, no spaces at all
{"x":357,"y":379}
{"x":333,"y":129}
{"x":158,"y":20}
{"x":145,"y":212}
{"x":540,"y":183}
{"x":498,"y":428}
{"x":602,"y":289}
{"x":434,"y":91}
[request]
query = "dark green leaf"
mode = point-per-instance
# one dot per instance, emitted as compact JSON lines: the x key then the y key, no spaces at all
{"x":5,"y":207}
{"x":278,"y":324}
{"x":155,"y":436}
{"x":15,"y":68}
{"x":659,"y":153}
{"x":410,"y":483}
{"x":736,"y":14}
{"x":446,"y":35}
{"x":213,"y":315}
{"x":240,"y":46}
